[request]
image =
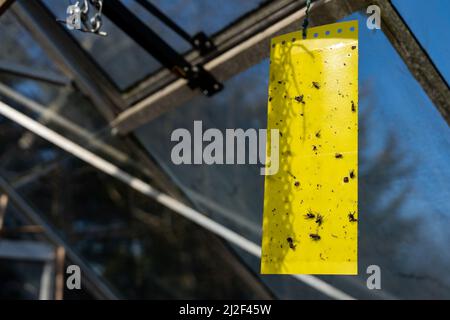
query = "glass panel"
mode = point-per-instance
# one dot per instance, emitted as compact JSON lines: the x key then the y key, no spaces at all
{"x":167,"y":34}
{"x":404,"y":152}
{"x":20,"y":280}
{"x":141,"y":248}
{"x":430,"y":23}
{"x":118,"y":55}
{"x":19,"y":48}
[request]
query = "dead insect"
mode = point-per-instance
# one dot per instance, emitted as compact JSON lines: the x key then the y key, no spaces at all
{"x":316,"y":85}
{"x":281,"y":134}
{"x":297,"y":183}
{"x":353,"y":47}
{"x":353,"y":107}
{"x":314,"y":236}
{"x":280,"y":82}
{"x":291,"y":243}
{"x":338,"y":156}
{"x":310,"y":215}
{"x":318,"y":135}
{"x":345,"y":179}
{"x":299,"y":99}
{"x":270,"y":98}
{"x":314,"y":148}
{"x":352,"y":174}
{"x":319,"y":219}
{"x":351,"y":217}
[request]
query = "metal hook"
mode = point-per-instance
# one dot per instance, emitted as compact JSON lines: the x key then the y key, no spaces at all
{"x":79,"y":17}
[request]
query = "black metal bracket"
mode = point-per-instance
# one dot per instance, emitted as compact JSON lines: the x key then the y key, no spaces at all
{"x":197,"y":76}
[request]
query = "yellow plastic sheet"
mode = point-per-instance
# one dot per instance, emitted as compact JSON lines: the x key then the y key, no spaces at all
{"x":311,"y":204}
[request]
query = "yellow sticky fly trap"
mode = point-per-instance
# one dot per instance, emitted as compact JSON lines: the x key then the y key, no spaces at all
{"x":311,"y":203}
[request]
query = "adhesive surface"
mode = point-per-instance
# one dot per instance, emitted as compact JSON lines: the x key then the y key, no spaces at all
{"x":311,"y":205}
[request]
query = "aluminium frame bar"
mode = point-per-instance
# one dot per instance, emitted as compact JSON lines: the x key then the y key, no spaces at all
{"x":46,"y":76}
{"x":4,"y":5}
{"x":149,"y":40}
{"x":415,"y":56}
{"x":77,"y":65}
{"x":238,"y":31}
{"x":91,"y":139}
{"x":200,"y":41}
{"x":229,"y":63}
{"x":33,"y":251}
{"x":69,"y":56}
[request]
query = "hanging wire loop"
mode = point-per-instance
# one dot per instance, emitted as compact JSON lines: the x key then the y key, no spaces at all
{"x":306,"y":20}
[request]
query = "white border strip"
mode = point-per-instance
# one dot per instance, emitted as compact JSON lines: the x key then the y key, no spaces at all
{"x":144,"y":188}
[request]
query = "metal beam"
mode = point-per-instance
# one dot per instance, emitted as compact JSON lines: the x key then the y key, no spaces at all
{"x":415,"y":57}
{"x":89,"y":139}
{"x":33,"y":251}
{"x":69,"y":56}
{"x":26,"y":250}
{"x":238,"y":31}
{"x":4,"y":5}
{"x":200,"y":41}
{"x":231,"y":62}
{"x":32,"y":73}
{"x":150,"y":41}
{"x":145,"y":165}
{"x":75,"y":63}
{"x":78,"y":65}
{"x":93,"y":282}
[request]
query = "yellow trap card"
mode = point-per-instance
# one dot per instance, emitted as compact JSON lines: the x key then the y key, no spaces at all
{"x":311,"y":203}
